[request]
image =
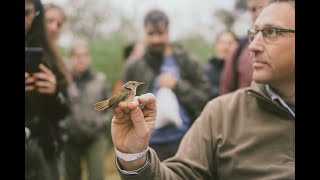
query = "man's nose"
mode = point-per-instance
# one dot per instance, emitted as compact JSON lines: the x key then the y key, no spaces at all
{"x":155,"y":38}
{"x":257,"y":43}
{"x":54,"y":26}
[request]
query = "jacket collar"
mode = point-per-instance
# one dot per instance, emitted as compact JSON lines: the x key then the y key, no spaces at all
{"x":87,"y":75}
{"x":260,"y":91}
{"x":275,"y":97}
{"x":259,"y":88}
{"x":153,"y":61}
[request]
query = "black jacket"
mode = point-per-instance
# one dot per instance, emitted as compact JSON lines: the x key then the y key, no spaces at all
{"x":42,"y":116}
{"x":213,"y":71}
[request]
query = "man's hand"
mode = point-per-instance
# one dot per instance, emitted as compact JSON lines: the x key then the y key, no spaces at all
{"x":131,"y":131}
{"x":167,"y":80}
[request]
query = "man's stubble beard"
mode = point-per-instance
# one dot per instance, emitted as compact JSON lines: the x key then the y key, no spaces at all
{"x":156,"y":50}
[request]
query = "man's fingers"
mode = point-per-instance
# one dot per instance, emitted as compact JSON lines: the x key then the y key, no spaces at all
{"x":149,"y":100}
{"x":122,"y":105}
{"x":136,"y":115}
{"x":139,"y":123}
{"x":119,"y":115}
{"x":133,"y":104}
{"x":149,"y":113}
{"x":118,"y":112}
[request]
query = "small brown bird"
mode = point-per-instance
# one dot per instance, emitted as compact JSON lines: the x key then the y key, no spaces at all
{"x":126,"y":93}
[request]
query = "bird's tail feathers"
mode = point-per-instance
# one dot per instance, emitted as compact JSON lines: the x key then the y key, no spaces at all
{"x":99,"y":106}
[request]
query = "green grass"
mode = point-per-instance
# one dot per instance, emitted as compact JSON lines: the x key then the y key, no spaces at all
{"x":107,"y":54}
{"x":200,"y":49}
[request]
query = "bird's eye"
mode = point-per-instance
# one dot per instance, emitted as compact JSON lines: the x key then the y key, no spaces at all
{"x":134,"y":83}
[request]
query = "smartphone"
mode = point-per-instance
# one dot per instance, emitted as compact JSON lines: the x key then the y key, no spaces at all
{"x":33,"y":57}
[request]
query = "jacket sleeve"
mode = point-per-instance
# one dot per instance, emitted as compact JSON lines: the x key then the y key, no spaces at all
{"x":193,"y":90}
{"x":195,"y":158}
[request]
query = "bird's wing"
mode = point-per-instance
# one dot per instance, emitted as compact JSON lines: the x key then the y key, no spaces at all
{"x":99,"y":106}
{"x":119,"y":97}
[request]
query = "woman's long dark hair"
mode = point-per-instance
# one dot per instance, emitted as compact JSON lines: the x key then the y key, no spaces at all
{"x":37,"y":37}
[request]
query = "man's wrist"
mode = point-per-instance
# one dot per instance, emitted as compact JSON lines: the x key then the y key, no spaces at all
{"x":132,"y":167}
{"x":130,"y":157}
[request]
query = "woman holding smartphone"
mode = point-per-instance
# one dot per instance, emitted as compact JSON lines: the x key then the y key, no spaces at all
{"x":46,"y":101}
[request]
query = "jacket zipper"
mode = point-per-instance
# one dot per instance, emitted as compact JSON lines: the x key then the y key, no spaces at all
{"x":258,"y":95}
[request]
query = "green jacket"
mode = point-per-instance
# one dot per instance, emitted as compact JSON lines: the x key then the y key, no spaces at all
{"x":239,"y":136}
{"x":192,"y":89}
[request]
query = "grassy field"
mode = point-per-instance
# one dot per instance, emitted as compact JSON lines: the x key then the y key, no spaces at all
{"x":107,"y":54}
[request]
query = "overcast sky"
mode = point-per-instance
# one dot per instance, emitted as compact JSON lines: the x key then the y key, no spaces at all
{"x":185,"y":15}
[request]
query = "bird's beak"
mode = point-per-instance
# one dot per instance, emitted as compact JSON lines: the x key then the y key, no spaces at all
{"x":139,"y":83}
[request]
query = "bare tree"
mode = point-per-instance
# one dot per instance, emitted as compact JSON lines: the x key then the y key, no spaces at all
{"x":241,"y":5}
{"x":86,"y":18}
{"x":127,"y":28}
{"x":227,"y":17}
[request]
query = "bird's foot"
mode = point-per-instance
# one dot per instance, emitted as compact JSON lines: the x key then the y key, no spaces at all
{"x":141,"y":105}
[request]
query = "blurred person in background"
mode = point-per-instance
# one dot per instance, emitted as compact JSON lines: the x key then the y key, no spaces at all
{"x":131,"y":51}
{"x":55,"y":18}
{"x":86,"y":128}
{"x":215,"y":64}
{"x":46,"y":100}
{"x":237,"y":71}
{"x":174,"y":77}
{"x":245,"y":135}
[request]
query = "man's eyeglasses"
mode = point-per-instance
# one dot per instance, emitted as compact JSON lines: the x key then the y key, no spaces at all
{"x":270,"y":34}
{"x":28,"y":12}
